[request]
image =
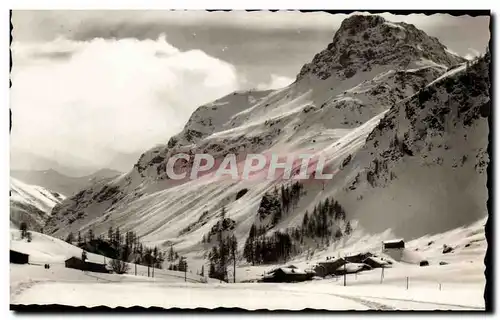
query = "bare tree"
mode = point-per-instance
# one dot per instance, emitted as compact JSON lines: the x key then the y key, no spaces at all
{"x":119,"y":266}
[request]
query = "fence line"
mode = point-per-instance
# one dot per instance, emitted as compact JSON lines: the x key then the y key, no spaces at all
{"x":159,"y":272}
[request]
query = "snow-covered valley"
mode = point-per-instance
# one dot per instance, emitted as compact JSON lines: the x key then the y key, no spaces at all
{"x":458,"y":285}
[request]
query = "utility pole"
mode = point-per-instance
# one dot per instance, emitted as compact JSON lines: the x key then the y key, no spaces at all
{"x":153,"y":271}
{"x":407,"y":282}
{"x":183,"y":263}
{"x":382,"y":275}
{"x":345,"y":271}
{"x":234,"y":263}
{"x":135,"y":264}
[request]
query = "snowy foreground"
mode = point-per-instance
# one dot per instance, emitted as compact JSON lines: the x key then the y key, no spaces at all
{"x":59,"y":285}
{"x":459,"y":285}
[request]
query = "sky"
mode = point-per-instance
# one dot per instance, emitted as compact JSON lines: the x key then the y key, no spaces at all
{"x":97,"y":88}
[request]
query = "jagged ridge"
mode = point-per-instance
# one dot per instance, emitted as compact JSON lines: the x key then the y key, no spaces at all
{"x":363,"y":42}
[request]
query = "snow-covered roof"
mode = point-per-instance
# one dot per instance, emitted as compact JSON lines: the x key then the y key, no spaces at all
{"x":351,"y":267}
{"x":292,"y":271}
{"x":291,"y":266}
{"x":376,"y":260}
{"x":89,"y":260}
{"x":331,"y":260}
{"x":357,"y":253}
{"x":393,"y":241}
{"x":17,"y":251}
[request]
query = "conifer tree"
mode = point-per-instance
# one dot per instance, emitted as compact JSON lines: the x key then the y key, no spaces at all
{"x":70,"y":238}
{"x":110,"y":234}
{"x":348,"y":228}
{"x":117,"y":239}
{"x":249,"y":249}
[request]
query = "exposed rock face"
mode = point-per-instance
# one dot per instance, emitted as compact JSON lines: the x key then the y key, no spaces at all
{"x":363,"y":42}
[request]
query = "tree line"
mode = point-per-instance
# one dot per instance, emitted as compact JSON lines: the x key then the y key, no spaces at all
{"x":122,"y":246}
{"x":223,"y":252}
{"x":278,"y":204}
{"x":322,"y":225}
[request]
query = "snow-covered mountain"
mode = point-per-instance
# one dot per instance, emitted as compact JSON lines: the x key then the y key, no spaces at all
{"x":31,"y":204}
{"x":423,"y":168}
{"x":400,"y":117}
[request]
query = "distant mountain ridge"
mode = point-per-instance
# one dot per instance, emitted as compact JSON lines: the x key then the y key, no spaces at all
{"x":55,"y":181}
{"x":21,"y":160}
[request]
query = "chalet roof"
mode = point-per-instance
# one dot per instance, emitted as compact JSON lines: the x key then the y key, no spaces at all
{"x":332,"y":261}
{"x":19,"y":252}
{"x":292,"y":270}
{"x":393,"y":241}
{"x":290,"y":266}
{"x":358,"y":253}
{"x":87,"y":260}
{"x":272,"y":273}
{"x":351,"y":267}
{"x":376,"y":260}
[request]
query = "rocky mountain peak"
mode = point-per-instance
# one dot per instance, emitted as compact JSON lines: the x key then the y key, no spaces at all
{"x":363,"y":42}
{"x":358,"y":23}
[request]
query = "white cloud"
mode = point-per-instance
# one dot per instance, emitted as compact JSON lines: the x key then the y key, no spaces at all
{"x":472,"y":54}
{"x":277,"y":82}
{"x":86,"y":99}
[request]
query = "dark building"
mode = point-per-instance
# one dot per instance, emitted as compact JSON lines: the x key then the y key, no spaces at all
{"x":358,"y":258}
{"x":351,"y":267}
{"x":394,"y":248}
{"x":77,"y":263}
{"x":328,"y":267}
{"x":424,"y":263}
{"x":288,"y":275}
{"x":331,"y":266}
{"x":18,"y":257}
{"x":394,"y":244}
{"x":376,"y":262}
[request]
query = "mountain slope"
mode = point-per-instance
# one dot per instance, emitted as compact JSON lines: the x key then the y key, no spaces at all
{"x":372,"y":70}
{"x":423,"y":168}
{"x":31,"y":204}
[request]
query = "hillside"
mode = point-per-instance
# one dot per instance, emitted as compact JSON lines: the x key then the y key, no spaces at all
{"x":44,"y":249}
{"x":423,"y":168}
{"x":372,"y":102}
